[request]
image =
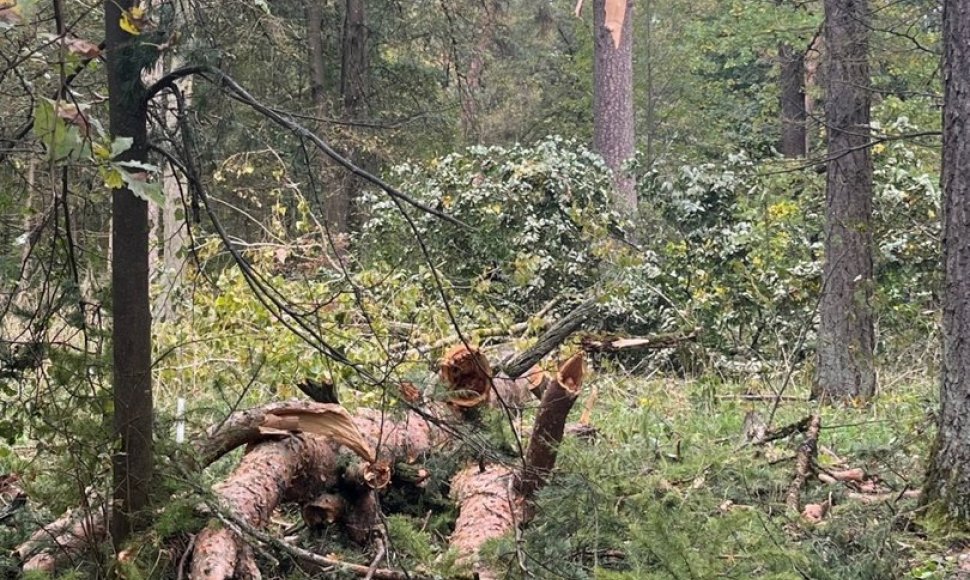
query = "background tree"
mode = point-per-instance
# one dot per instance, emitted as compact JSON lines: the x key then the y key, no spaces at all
{"x":948,"y":476}
{"x":845,"y":367}
{"x":614,"y":122}
{"x":131,"y":330}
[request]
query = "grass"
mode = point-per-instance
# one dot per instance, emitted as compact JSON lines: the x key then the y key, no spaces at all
{"x":668,"y":490}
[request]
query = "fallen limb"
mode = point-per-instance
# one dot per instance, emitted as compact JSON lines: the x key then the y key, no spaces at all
{"x":797,"y":427}
{"x":549,"y":340}
{"x":871,"y":498}
{"x":804,"y":460}
{"x":633,"y":343}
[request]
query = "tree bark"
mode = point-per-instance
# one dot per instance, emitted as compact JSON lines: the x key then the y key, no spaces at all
{"x":613,"y":116}
{"x":845,"y":335}
{"x":948,"y":477}
{"x":131,"y":331}
{"x":794,"y":117}
{"x":353,"y":91}
{"x":258,"y":484}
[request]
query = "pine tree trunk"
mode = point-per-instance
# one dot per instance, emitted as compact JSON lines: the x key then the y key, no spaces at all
{"x":948,"y":478}
{"x":131,"y":332}
{"x":353,"y":90}
{"x":793,"y":141}
{"x":845,"y":335}
{"x":613,"y":117}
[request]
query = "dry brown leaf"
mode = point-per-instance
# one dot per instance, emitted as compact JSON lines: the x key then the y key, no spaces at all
{"x":326,"y":420}
{"x":615,"y":15}
{"x":83,"y":48}
{"x":73,"y":115}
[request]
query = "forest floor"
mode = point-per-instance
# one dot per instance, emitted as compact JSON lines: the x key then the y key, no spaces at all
{"x":671,"y":487}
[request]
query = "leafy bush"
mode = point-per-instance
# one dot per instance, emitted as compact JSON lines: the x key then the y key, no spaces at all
{"x":539,"y":219}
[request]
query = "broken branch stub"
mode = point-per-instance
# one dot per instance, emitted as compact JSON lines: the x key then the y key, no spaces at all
{"x":556,"y":403}
{"x":468,"y":375}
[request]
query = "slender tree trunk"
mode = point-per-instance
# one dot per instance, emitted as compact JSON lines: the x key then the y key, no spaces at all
{"x":651,"y":108}
{"x":845,"y":335}
{"x":948,"y":477}
{"x":794,"y":135}
{"x":131,"y":333}
{"x":353,"y":91}
{"x":613,"y":117}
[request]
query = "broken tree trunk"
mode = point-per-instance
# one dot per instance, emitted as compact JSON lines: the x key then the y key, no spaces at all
{"x":495,"y":499}
{"x":264,"y":475}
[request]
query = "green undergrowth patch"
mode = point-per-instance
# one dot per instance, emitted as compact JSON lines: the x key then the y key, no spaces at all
{"x":669,"y":489}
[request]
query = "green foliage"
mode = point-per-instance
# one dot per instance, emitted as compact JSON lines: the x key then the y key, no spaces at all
{"x":539,"y":218}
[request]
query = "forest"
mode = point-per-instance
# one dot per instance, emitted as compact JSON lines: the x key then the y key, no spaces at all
{"x":455,"y":289}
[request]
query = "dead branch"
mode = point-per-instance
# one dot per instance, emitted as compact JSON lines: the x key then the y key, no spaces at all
{"x":797,"y":427}
{"x":633,"y":343}
{"x":804,"y":460}
{"x":549,"y":340}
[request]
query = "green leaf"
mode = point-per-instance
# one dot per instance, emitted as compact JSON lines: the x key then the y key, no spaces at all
{"x":63,"y":141}
{"x":120,"y":145}
{"x":139,"y":185}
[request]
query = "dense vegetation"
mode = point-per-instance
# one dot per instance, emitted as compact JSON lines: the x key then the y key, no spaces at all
{"x":481,"y":211}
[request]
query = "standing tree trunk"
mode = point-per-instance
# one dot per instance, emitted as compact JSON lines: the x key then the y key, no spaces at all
{"x":845,"y":335}
{"x":131,"y":331}
{"x":613,"y":118}
{"x":948,"y":477}
{"x":353,"y":90}
{"x":794,"y":134}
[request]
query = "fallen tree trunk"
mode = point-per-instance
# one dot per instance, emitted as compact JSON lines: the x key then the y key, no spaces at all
{"x":265,"y":475}
{"x":302,"y":451}
{"x":495,"y":499}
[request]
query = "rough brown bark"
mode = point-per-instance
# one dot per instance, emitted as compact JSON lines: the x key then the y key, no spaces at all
{"x":804,"y":460}
{"x":254,"y":489}
{"x":493,"y":499}
{"x":557,"y":401}
{"x":845,"y":334}
{"x":794,"y":117}
{"x":353,"y":91}
{"x":948,"y":476}
{"x":613,"y":116}
{"x":132,"y":462}
{"x":549,"y":340}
